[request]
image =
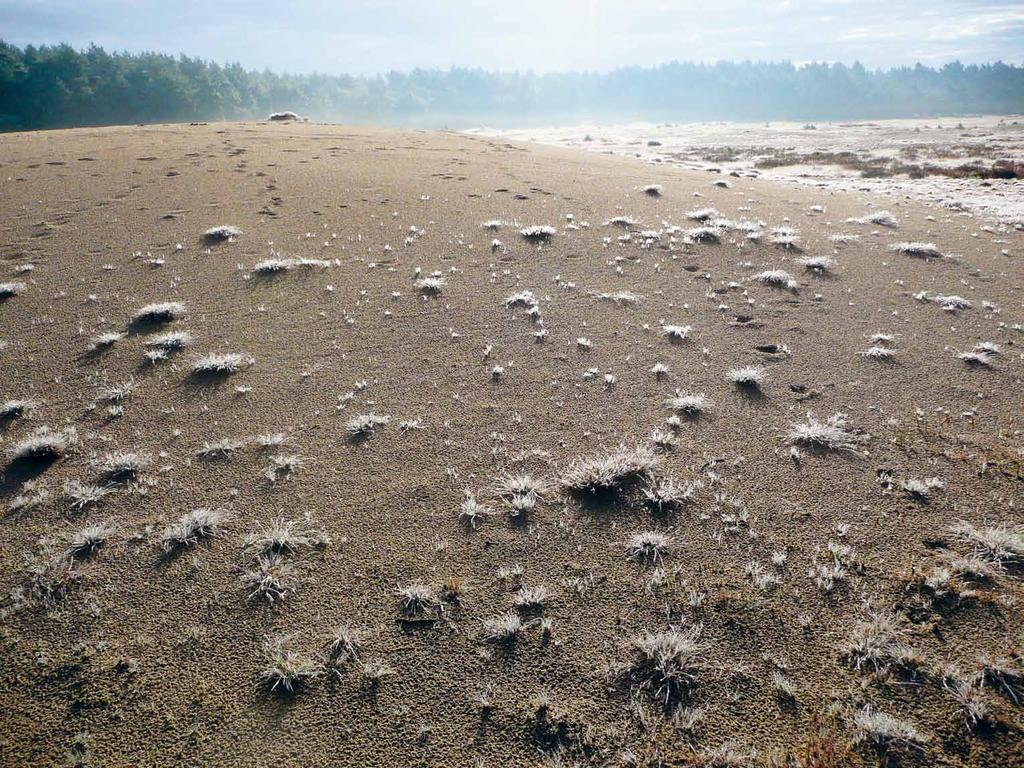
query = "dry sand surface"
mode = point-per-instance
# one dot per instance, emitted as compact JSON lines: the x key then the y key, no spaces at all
{"x":743,"y":585}
{"x":940,"y":162}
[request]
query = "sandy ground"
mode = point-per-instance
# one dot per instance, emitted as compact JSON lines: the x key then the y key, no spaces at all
{"x":744,"y":148}
{"x":128,"y":656}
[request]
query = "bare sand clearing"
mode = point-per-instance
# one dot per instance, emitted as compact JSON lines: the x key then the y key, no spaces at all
{"x":198,"y":494}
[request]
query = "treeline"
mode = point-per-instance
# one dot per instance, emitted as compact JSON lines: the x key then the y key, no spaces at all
{"x":58,"y":86}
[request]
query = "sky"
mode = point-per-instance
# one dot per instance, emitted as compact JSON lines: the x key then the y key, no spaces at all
{"x":374,"y":36}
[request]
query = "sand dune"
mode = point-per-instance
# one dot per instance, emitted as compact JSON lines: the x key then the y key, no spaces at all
{"x":332,"y":446}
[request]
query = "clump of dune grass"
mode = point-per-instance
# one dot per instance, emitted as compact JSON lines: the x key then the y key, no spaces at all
{"x":220,"y":364}
{"x":416,"y":599}
{"x":116,"y":393}
{"x":707,"y":235}
{"x":86,"y":541}
{"x":104,"y":341}
{"x":691,"y":405}
{"x":887,"y":732}
{"x":532,"y":598}
{"x":762,"y":578}
{"x":666,"y":664}
{"x":50,"y":574}
{"x":676,"y":333}
{"x":833,"y":434}
{"x":703,"y":215}
{"x":221,"y":233}
{"x":1002,"y":675}
{"x":627,"y":298}
{"x":921,"y":488}
{"x":122,"y":465}
{"x":221,"y":448}
{"x":748,"y":376}
{"x":365,"y":424}
{"x":432,"y":286}
{"x":505,"y":628}
{"x":31,"y":495}
{"x":282,"y":465}
{"x":997,"y":544}
{"x":819,"y":265}
{"x":979,"y":356}
{"x":286,"y":669}
{"x":44,"y":445}
{"x":80,"y":495}
{"x":664,"y":495}
{"x":952,"y":303}
{"x":648,"y":546}
{"x":538,"y":232}
{"x":277,"y":264}
{"x":159,"y":313}
{"x":967,"y":693}
{"x":346,"y":642}
{"x":17,"y":409}
{"x":877,"y":644}
{"x":777,"y":278}
{"x":472,"y":512}
{"x":270,"y":578}
{"x":521,"y":299}
{"x":283,"y":535}
{"x":880,"y":353}
{"x":190,"y":528}
{"x":7,"y":290}
{"x":609,"y":473}
{"x":917,"y":250}
{"x":881,"y":218}
{"x":621,"y":221}
{"x":170,"y":341}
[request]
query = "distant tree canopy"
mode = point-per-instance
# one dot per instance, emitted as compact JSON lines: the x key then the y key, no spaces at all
{"x":57,"y":87}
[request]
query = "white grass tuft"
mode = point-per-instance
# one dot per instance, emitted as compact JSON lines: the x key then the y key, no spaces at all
{"x":832,"y":434}
{"x":648,"y":546}
{"x":708,"y":235}
{"x":221,"y":364}
{"x":285,"y":668}
{"x":676,"y":332}
{"x":918,"y":250}
{"x":80,"y":495}
{"x":876,"y":352}
{"x":159,"y":312}
{"x":104,"y":341}
{"x":221,"y":233}
{"x":17,"y":409}
{"x":887,"y":732}
{"x":191,"y":527}
{"x":777,"y":278}
{"x":44,"y":444}
{"x":365,"y":424}
{"x":611,"y":472}
{"x":431,"y":286}
{"x":751,"y":376}
{"x":538,"y":232}
{"x":996,"y":544}
{"x":7,"y":290}
{"x":688,"y":404}
{"x":171,"y":340}
{"x":819,"y":265}
{"x":503,"y":629}
{"x":666,"y":664}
